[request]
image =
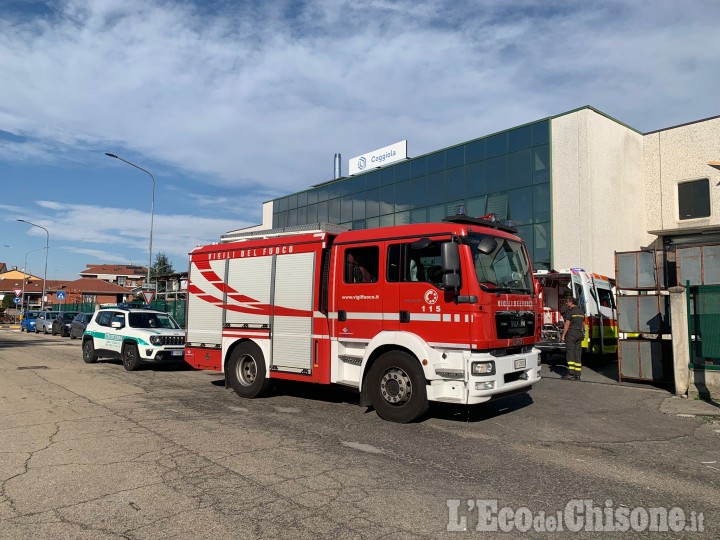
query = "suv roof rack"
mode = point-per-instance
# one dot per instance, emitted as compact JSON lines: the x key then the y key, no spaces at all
{"x":126,"y":305}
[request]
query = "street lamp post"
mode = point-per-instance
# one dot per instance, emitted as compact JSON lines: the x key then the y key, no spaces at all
{"x":47,"y":248}
{"x":152,"y":206}
{"x":22,"y":297}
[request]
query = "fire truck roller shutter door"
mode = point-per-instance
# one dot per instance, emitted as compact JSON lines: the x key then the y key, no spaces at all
{"x":250,"y":281}
{"x":205,"y":313}
{"x":294,"y":289}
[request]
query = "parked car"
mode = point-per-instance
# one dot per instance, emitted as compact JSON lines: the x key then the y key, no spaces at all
{"x":61,"y":325}
{"x":44,"y":321}
{"x":28,"y":321}
{"x":77,"y":327}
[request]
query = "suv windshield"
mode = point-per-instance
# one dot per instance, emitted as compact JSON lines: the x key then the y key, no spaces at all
{"x":500,"y":264}
{"x":152,"y":320}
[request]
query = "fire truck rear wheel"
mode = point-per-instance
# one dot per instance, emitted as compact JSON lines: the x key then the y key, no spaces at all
{"x":246,"y":371}
{"x":397,"y":387}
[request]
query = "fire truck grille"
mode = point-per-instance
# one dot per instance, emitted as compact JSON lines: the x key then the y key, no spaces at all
{"x":172,"y":340}
{"x":514,"y":324}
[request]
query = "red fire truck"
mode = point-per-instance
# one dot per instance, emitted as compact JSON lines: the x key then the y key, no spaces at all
{"x":406,"y":314}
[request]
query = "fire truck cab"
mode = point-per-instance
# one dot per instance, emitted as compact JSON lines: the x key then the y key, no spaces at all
{"x":405,"y":314}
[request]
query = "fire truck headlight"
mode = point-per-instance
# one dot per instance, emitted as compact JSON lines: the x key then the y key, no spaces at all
{"x":156,"y":340}
{"x":487,"y":385}
{"x":482,"y":368}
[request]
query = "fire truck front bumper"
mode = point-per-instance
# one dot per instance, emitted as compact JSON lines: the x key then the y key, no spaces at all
{"x":489,"y":377}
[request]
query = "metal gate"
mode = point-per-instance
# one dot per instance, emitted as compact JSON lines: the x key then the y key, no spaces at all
{"x":645,"y":345}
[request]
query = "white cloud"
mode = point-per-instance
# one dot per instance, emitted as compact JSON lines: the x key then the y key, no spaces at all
{"x":91,"y":229}
{"x":250,"y":97}
{"x":98,"y":255}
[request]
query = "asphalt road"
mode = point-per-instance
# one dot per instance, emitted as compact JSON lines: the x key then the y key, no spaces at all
{"x":93,"y":451}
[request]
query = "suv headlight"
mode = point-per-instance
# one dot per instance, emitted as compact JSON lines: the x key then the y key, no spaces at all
{"x":483,"y":368}
{"x":156,"y":340}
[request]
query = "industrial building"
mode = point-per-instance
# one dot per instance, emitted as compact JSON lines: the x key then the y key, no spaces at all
{"x":578,"y":186}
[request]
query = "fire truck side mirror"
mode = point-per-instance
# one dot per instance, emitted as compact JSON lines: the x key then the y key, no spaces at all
{"x":450,"y":257}
{"x":451,"y":282}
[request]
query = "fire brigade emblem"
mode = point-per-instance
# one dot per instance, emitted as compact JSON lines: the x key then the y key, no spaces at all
{"x":431,"y":296}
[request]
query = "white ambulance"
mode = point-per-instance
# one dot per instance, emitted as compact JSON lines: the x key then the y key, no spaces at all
{"x":594,"y":293}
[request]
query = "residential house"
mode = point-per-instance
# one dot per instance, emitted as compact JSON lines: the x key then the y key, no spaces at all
{"x":125,"y":275}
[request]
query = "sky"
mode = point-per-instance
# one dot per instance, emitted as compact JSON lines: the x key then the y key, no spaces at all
{"x":229,"y":104}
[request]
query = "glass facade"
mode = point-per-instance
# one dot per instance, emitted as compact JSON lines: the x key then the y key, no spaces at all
{"x":507,"y":173}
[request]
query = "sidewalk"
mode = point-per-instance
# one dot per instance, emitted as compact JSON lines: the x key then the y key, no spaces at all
{"x":606,"y":374}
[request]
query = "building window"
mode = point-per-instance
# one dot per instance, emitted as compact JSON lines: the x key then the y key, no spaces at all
{"x":694,"y":199}
{"x":121,"y":280}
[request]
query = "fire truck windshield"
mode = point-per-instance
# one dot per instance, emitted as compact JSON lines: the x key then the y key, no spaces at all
{"x":500,"y":264}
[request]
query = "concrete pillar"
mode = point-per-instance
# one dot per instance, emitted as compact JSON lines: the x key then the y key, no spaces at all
{"x":680,"y":339}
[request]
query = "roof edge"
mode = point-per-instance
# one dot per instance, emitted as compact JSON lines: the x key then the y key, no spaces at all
{"x":683,"y":125}
{"x":601,"y":113}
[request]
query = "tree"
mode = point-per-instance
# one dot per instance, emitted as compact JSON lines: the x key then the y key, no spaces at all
{"x":162,"y":266}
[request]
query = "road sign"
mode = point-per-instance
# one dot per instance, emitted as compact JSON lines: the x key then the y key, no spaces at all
{"x":17,"y":292}
{"x":148,"y":296}
{"x":17,"y":300}
{"x":60,"y":295}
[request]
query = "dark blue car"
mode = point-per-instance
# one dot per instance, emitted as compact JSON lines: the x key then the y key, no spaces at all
{"x":28,"y":321}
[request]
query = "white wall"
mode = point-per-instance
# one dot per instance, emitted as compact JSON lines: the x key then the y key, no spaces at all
{"x":675,"y":155}
{"x":598,"y":191}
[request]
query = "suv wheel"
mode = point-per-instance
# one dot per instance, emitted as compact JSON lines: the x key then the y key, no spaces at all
{"x":130,"y":357}
{"x":89,"y":356}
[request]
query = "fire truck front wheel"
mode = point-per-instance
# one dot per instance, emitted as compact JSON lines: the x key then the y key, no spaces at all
{"x":397,"y":388}
{"x":246,"y":371}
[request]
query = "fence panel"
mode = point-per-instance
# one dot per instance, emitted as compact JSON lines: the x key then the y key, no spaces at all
{"x":176,"y":308}
{"x":707,"y":320}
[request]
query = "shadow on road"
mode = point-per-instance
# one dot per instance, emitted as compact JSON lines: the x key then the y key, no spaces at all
{"x":443,"y":411}
{"x":482,"y":412}
{"x":8,"y":344}
{"x":177,"y":365}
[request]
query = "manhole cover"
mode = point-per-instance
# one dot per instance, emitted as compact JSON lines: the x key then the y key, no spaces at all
{"x":33,"y":367}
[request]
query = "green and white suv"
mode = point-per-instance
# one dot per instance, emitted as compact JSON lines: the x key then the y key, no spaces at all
{"x":133,"y":335}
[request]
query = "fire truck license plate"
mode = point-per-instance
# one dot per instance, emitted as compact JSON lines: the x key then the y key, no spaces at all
{"x":519,"y":363}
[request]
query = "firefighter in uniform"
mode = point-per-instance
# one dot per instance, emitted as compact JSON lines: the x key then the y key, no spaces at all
{"x":573,"y":334}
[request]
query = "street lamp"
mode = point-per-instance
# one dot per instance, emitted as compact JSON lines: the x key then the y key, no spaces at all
{"x":152,"y":206}
{"x":22,"y":298}
{"x":47,"y":248}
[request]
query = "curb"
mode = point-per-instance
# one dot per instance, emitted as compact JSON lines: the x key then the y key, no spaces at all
{"x":689,"y":408}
